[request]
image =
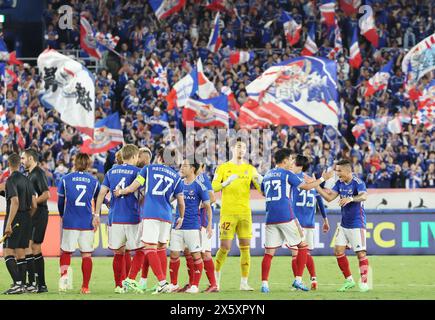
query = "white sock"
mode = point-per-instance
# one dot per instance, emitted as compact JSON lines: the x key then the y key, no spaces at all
{"x":143,"y":281}
{"x":298,"y":279}
{"x":350,"y":278}
{"x":313,"y":279}
{"x":265,"y":283}
{"x":244,"y":280}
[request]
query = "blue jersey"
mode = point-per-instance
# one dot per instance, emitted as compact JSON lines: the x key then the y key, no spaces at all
{"x":305,"y":203}
{"x":161,"y":184}
{"x":353,"y":214}
{"x":76,"y":191}
{"x":277,"y":188}
{"x":194,"y":194}
{"x":123,"y":209}
{"x":203,"y":179}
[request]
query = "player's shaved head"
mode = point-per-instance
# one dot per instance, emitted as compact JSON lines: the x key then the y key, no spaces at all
{"x":82,"y":162}
{"x":344,"y":170}
{"x":145,"y":156}
{"x":14,"y":161}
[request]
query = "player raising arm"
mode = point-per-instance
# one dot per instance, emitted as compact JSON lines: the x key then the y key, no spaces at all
{"x":161,"y":184}
{"x":352,"y":230}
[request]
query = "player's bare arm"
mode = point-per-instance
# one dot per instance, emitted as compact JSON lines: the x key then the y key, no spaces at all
{"x":136,"y":184}
{"x":207,"y":207}
{"x":362,"y":196}
{"x":326,"y":175}
{"x":34,"y":205}
{"x":100,"y":199}
{"x":12,"y":213}
{"x":43,"y":197}
{"x":328,"y":196}
{"x":181,"y":209}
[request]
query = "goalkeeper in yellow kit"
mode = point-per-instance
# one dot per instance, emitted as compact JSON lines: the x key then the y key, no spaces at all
{"x":234,"y":178}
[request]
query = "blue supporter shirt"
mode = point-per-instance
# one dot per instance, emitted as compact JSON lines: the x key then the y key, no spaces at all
{"x":76,"y":191}
{"x":353,"y":214}
{"x":203,"y":178}
{"x":161,"y":184}
{"x":123,"y":210}
{"x":305,"y":203}
{"x":194,"y":194}
{"x":277,"y":188}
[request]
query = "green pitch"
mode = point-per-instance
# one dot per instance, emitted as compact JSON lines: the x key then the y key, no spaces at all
{"x":394,"y":277}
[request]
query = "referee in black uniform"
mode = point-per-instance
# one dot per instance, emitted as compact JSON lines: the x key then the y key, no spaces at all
{"x":20,"y":206}
{"x":34,"y":258}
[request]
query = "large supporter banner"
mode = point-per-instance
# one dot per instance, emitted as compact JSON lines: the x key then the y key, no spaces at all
{"x":387,"y":234}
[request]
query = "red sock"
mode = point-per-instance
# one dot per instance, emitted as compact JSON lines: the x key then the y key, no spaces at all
{"x":190,"y":267}
{"x":364,"y":269}
{"x":118,"y":261}
{"x":301,"y":261}
{"x":198,"y":267}
{"x":209,"y":271}
{"x":127,"y":258}
{"x":294,"y":264}
{"x":265,"y":266}
{"x":161,"y":253}
{"x":136,"y":264}
{"x":155,"y":264}
{"x":174,"y":265}
{"x":145,"y":268}
{"x":87,"y":271}
{"x":310,"y":265}
{"x":343,"y":263}
{"x":64,"y":261}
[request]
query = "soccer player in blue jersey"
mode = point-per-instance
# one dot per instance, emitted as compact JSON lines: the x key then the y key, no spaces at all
{"x":162,"y":183}
{"x":352,"y":230}
{"x":77,"y":191}
{"x":124,"y":215}
{"x":189,"y":234}
{"x":282,"y":227}
{"x":305,"y":203}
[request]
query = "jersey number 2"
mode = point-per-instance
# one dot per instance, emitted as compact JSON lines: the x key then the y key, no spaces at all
{"x":78,"y":202}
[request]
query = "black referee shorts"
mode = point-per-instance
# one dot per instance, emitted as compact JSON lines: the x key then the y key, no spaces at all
{"x":21,"y":235}
{"x":39,"y":225}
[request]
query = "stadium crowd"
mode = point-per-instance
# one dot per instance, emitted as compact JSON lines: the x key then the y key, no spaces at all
{"x":382,"y":159}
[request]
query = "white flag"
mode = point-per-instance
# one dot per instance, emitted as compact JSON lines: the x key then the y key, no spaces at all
{"x":69,"y":88}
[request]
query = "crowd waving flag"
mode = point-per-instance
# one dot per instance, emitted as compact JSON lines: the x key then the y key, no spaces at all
{"x":182,"y":90}
{"x":296,"y":92}
{"x":159,"y":83}
{"x":69,"y":88}
{"x":355,"y":59}
{"x":419,"y":61}
{"x":233,"y":105}
{"x":426,"y":106}
{"x":5,"y":55}
{"x":211,"y":112}
{"x":338,"y":43}
{"x":215,"y":40}
{"x":327,"y":11}
{"x":368,"y":27}
{"x":206,"y":88}
{"x":166,"y":8}
{"x":292,"y":29}
{"x":238,"y":57}
{"x":350,"y":7}
{"x":107,"y":135}
{"x":380,"y":80}
{"x":310,"y":47}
